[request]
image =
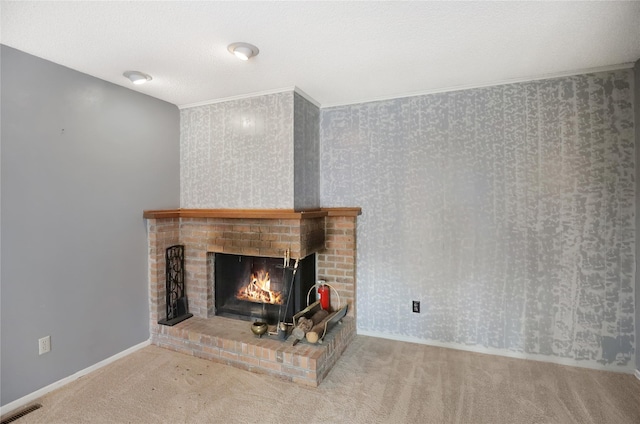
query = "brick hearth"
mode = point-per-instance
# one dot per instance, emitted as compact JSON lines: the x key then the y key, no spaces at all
{"x":230,"y":341}
{"x":331,"y":233}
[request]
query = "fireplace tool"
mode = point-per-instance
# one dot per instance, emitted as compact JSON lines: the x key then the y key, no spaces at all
{"x":282,"y":326}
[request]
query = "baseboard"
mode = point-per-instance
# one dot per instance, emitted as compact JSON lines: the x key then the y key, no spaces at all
{"x":500,"y":352}
{"x":23,"y":401}
{"x":637,"y":374}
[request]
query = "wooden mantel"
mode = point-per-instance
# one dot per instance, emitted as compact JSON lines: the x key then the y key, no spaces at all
{"x":251,"y":213}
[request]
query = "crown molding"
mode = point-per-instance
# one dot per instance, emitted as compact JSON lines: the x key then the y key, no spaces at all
{"x":617,"y":67}
{"x":238,"y":97}
{"x":250,"y":95}
{"x":308,"y":97}
{"x":296,"y":89}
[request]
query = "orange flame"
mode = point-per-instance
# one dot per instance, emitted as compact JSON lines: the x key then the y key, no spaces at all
{"x":259,"y":290}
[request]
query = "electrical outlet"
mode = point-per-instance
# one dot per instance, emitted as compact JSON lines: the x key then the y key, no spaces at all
{"x":416,"y":306}
{"x":44,"y":345}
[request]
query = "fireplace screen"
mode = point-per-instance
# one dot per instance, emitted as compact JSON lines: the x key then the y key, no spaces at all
{"x":253,"y":287}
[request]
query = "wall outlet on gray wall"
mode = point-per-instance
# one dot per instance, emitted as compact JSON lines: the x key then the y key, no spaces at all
{"x":44,"y":345}
{"x":416,"y":306}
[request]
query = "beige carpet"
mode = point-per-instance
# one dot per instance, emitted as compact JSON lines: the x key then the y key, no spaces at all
{"x":376,"y":381}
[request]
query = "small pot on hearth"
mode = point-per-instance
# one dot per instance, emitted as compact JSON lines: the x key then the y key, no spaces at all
{"x":259,"y":328}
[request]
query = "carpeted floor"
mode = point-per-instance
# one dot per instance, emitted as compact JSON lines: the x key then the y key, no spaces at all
{"x":375,"y":381}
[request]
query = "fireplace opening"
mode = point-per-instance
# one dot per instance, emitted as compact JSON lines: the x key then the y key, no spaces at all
{"x":260,"y":288}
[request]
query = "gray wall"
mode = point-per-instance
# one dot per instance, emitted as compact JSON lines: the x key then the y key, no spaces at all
{"x":636,"y":70}
{"x":507,"y":211}
{"x":306,"y":130}
{"x":238,"y":154}
{"x":81,"y":159}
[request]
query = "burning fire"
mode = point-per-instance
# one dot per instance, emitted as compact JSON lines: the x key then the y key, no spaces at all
{"x":259,"y":290}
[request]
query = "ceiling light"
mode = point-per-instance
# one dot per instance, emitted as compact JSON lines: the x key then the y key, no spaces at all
{"x":243,"y":51}
{"x":137,"y":77}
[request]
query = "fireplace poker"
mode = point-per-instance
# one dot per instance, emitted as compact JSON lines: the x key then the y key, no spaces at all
{"x":281,"y":326}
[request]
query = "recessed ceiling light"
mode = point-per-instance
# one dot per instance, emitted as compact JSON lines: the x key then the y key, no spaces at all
{"x":137,"y":77}
{"x":243,"y":51}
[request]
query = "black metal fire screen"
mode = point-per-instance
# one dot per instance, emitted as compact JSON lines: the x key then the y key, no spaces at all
{"x":177,"y":306}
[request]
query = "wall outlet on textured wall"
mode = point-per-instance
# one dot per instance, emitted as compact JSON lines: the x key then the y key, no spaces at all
{"x":416,"y":306}
{"x":44,"y":345}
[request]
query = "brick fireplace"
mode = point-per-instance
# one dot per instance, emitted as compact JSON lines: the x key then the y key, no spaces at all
{"x":330,"y":233}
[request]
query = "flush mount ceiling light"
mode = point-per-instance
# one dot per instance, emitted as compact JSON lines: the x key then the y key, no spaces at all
{"x":243,"y":51}
{"x":137,"y":77}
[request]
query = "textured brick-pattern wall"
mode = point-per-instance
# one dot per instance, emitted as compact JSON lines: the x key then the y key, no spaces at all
{"x":306,"y":164}
{"x":636,"y":88}
{"x":238,"y":154}
{"x":162,"y":233}
{"x":336,"y":264}
{"x":509,"y":211}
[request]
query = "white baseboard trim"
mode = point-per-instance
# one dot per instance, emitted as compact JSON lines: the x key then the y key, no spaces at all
{"x":637,"y":374}
{"x":23,"y":401}
{"x":500,"y":352}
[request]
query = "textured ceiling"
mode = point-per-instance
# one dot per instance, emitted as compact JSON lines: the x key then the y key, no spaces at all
{"x":336,"y":52}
